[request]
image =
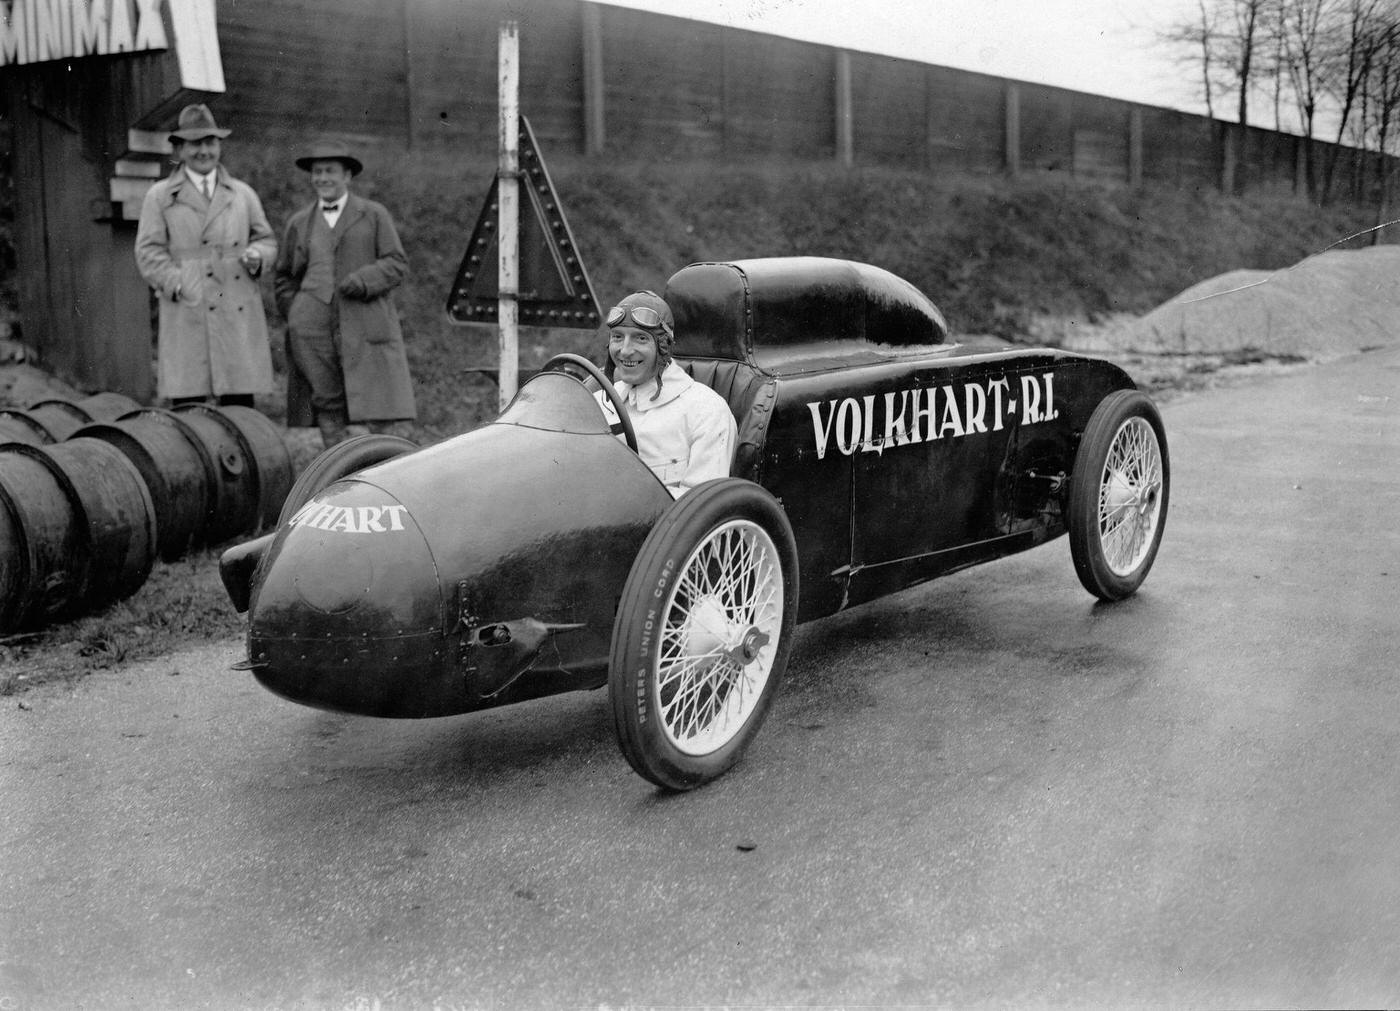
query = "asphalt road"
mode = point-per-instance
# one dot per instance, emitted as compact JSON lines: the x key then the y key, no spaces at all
{"x":984,"y":792}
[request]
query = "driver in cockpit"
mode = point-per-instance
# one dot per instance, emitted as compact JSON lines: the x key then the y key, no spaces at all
{"x":685,"y":431}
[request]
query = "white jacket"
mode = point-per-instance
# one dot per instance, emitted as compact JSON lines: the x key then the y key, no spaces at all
{"x":686,"y":435}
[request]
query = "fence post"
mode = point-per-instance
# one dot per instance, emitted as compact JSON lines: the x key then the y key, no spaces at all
{"x":1227,"y":158}
{"x":594,"y":116}
{"x":845,"y":122}
{"x":1135,"y":146}
{"x":1013,"y":128}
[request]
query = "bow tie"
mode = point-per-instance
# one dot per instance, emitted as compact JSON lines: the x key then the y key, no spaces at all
{"x":328,"y":208}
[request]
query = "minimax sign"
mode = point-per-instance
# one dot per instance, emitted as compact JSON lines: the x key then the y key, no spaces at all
{"x":36,"y":31}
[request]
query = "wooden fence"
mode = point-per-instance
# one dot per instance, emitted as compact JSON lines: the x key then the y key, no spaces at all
{"x":598,"y":79}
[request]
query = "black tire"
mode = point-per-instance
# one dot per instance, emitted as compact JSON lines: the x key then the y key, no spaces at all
{"x":679,"y":613}
{"x":343,"y":458}
{"x":1118,"y":495}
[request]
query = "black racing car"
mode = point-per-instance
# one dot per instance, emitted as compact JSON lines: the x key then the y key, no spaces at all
{"x":538,"y":554}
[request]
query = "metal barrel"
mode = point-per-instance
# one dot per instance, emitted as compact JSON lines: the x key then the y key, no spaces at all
{"x":108,"y":406}
{"x":79,"y":530}
{"x":217,"y":502}
{"x":19,"y":426}
{"x":173,"y":465}
{"x":275,"y":473}
{"x":252,"y":470}
{"x":42,"y":547}
{"x":61,"y":417}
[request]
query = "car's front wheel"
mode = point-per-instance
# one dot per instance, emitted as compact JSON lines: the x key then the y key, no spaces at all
{"x":703,"y":633}
{"x":1118,"y":495}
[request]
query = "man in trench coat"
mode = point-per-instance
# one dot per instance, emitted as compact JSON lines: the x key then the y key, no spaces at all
{"x":201,"y":243}
{"x":339,"y":262}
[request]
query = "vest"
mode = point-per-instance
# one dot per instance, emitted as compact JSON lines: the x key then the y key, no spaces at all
{"x":319,"y":279}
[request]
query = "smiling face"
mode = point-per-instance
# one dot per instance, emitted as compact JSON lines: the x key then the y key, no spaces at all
{"x":330,"y":178}
{"x":201,"y":155}
{"x":634,"y":354}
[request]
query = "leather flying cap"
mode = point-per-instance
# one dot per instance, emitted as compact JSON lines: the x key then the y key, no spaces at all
{"x":196,"y":122}
{"x":663,"y":331}
{"x":330,"y":151}
{"x":650,"y":300}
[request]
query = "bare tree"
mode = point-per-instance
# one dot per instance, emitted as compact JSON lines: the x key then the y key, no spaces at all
{"x":1250,"y":18}
{"x":1195,"y":39}
{"x":1380,"y":115}
{"x":1304,"y":24}
{"x":1226,"y":38}
{"x":1357,"y":36}
{"x":1277,"y":71}
{"x":1336,"y":59}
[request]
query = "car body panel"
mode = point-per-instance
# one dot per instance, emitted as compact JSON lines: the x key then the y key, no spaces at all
{"x":880,"y":494}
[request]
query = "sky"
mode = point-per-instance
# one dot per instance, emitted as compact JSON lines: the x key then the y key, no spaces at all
{"x":1106,"y":47}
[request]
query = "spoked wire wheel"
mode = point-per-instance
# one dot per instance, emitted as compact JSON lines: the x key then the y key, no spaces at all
{"x":721,"y":626}
{"x":1130,"y":496}
{"x":703,"y":632}
{"x":1118,"y":495}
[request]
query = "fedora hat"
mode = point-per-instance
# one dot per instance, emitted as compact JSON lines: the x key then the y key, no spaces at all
{"x":196,"y":123}
{"x":330,"y":151}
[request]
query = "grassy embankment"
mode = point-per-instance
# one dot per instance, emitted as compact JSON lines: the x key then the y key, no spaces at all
{"x":1016,"y":259}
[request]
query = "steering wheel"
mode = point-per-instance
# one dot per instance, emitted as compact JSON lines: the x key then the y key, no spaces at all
{"x":568,"y":362}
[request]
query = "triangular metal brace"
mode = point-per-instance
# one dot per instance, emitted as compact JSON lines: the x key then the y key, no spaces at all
{"x":554,"y":287}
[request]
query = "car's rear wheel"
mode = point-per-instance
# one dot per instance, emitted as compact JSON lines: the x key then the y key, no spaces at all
{"x":703,"y":633}
{"x":1118,"y":495}
{"x":341,"y":460}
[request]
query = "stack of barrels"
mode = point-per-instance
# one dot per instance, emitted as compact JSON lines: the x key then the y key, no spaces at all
{"x":93,"y":490}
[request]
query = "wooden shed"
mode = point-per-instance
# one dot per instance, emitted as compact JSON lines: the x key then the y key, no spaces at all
{"x":90,"y":89}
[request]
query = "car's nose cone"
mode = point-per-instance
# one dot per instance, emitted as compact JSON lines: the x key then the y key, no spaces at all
{"x":352,"y":564}
{"x":348,"y":612}
{"x":338,"y":584}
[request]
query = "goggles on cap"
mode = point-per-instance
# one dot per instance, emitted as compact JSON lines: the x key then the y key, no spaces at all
{"x":644,"y":316}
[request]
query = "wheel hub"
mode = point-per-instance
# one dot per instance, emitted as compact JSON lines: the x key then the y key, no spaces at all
{"x":711,"y":632}
{"x":747,"y":650}
{"x":1121,"y":494}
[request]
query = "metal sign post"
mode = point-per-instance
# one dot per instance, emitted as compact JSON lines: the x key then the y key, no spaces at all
{"x":508,"y":238}
{"x":538,"y":279}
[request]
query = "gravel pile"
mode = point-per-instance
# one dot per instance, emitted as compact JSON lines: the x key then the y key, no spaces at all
{"x":1331,"y":304}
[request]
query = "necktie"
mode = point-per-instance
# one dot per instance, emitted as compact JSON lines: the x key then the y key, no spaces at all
{"x":208,"y":189}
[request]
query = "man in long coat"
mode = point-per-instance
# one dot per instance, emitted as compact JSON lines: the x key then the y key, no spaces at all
{"x":202,"y":242}
{"x":340,"y":260}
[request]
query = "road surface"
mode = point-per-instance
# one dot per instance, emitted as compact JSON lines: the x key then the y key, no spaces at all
{"x":988,"y":791}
